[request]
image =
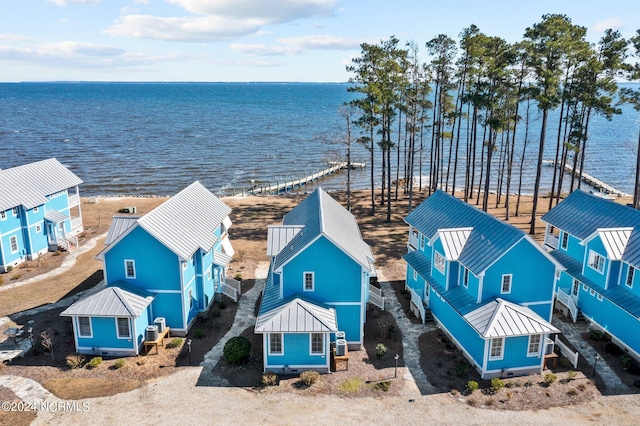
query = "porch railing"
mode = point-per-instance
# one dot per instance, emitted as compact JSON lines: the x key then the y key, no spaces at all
{"x":74,"y":199}
{"x":551,"y":241}
{"x":375,"y":296}
{"x":76,"y":222}
{"x":416,"y":302}
{"x":413,"y":240}
{"x":567,"y":299}
{"x":231,"y":288}
{"x":571,"y":356}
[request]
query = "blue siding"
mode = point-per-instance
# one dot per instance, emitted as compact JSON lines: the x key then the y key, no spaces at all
{"x":515,"y":355}
{"x":105,"y":335}
{"x":297,"y":350}
{"x":350,"y":321}
{"x":141,"y":324}
{"x":635,"y":283}
{"x":614,"y":273}
{"x":417,"y":284}
{"x":168,"y":305}
{"x":597,"y":277}
{"x":440,"y":277}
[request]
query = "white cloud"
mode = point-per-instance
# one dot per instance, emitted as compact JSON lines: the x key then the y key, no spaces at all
{"x":273,"y":11}
{"x":297,"y":45}
{"x":206,"y":28}
{"x":68,"y":2}
{"x":13,"y":37}
{"x":63,"y":21}
{"x":613,"y":23}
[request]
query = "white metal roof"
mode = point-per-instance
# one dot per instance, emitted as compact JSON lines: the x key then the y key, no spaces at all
{"x":55,"y":216}
{"x":221,"y":259}
{"x":298,"y":316}
{"x":500,"y":318}
{"x":614,"y":240}
{"x":187,"y":220}
{"x":278,"y":236}
{"x":110,"y":302}
{"x":453,"y":241}
{"x":119,"y":225}
{"x":29,"y":184}
{"x":227,"y":247}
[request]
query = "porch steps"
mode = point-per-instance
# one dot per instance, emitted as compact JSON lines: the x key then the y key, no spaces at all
{"x":580,"y":317}
{"x":428,"y":317}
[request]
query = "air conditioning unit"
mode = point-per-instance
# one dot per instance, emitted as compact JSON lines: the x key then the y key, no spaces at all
{"x":340,"y":335}
{"x":161,"y":323}
{"x":152,"y":333}
{"x":341,"y":347}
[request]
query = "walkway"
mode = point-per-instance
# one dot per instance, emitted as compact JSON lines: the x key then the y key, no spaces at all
{"x":410,"y":335}
{"x":67,"y":263}
{"x":573,"y":333}
{"x":244,"y":317}
{"x":27,"y":390}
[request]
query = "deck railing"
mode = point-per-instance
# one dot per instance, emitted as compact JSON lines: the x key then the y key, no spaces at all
{"x":74,"y":199}
{"x":231,"y":288}
{"x":76,"y":222}
{"x":568,"y":300}
{"x":375,"y":296}
{"x":571,"y":356}
{"x":417,"y":302}
{"x":551,"y":241}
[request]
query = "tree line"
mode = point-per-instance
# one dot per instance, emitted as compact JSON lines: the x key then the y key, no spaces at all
{"x":461,"y":110}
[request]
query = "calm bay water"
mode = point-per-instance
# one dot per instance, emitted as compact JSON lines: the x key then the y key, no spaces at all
{"x":156,"y":138}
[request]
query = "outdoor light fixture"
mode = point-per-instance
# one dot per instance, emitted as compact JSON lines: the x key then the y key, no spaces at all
{"x":395,"y":372}
{"x":595,"y":364}
{"x":189,"y":349}
{"x":30,"y":331}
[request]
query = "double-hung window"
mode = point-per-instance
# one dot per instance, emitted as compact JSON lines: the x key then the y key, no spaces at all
{"x":13,"y":242}
{"x":275,"y":344}
{"x":317,"y":343}
{"x":130,"y":268}
{"x":84,"y":327}
{"x":534,"y":344}
{"x":496,"y":351}
{"x":439,"y":261}
{"x":123,"y":328}
{"x":565,"y":241}
{"x":308,"y":281}
{"x":506,"y":284}
{"x":629,"y":282}
{"x":596,"y":261}
{"x":465,"y":278}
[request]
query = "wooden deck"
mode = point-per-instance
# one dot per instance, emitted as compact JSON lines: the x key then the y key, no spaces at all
{"x":159,"y":341}
{"x":335,"y":359}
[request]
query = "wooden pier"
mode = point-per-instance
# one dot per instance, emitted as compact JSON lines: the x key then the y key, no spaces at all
{"x":288,"y":185}
{"x":590,"y":180}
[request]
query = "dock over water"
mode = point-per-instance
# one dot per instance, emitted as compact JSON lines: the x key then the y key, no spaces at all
{"x":590,"y":180}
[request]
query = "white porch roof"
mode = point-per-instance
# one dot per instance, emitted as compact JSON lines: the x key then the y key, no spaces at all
{"x":110,"y":302}
{"x":614,"y":240}
{"x":501,"y":318}
{"x":298,"y":316}
{"x":55,"y":216}
{"x":221,"y":259}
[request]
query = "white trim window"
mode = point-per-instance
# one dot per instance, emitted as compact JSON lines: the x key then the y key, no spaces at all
{"x":505,"y":287}
{"x":415,"y":275}
{"x":317,"y":344}
{"x":38,"y":228}
{"x":422,"y":240}
{"x":130,"y":269}
{"x":190,"y":298}
{"x":84,"y":327}
{"x":438,"y":261}
{"x":600,"y":297}
{"x":13,"y":242}
{"x":276,"y":345}
{"x":496,"y":349}
{"x":575,"y":287}
{"x":123,"y":329}
{"x":35,"y":209}
{"x":596,"y":261}
{"x":14,"y":211}
{"x":465,"y":278}
{"x":534,"y":344}
{"x":630,"y":273}
{"x":564,"y":243}
{"x":3,"y":215}
{"x":308,"y":281}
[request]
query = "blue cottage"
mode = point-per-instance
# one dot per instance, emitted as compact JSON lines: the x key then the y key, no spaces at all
{"x":317,"y":285}
{"x":39,"y":211}
{"x":169,"y":263}
{"x":488,"y":285}
{"x":598,"y":242}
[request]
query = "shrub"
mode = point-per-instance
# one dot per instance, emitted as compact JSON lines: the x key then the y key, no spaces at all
{"x":74,"y":361}
{"x":118,"y":364}
{"x":237,"y":277}
{"x":472,"y":386}
{"x":596,"y":334}
{"x":94,"y":363}
{"x":383,"y":386}
{"x":626,"y":361}
{"x":383,"y":329}
{"x":381,"y":349}
{"x":309,"y":377}
{"x":216,"y":313}
{"x":176,"y":342}
{"x":571,"y":374}
{"x":269,"y":379}
{"x":528,"y":383}
{"x":581,"y":387}
{"x":462,"y":369}
{"x":198,"y":334}
{"x":237,"y":350}
{"x":351,"y":385}
{"x":497,"y":384}
{"x":572,"y":392}
{"x":549,"y":378}
{"x":9,"y":268}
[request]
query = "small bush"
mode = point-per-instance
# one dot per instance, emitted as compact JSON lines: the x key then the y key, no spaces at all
{"x":176,"y":342}
{"x":383,"y":386}
{"x":74,"y":361}
{"x":216,"y":313}
{"x":596,"y":334}
{"x":381,"y":349}
{"x":351,"y":385}
{"x":528,"y":383}
{"x":497,"y":384}
{"x":549,"y":378}
{"x":198,"y":334}
{"x":571,"y":374}
{"x":626,"y":361}
{"x":309,"y":377}
{"x":462,"y":369}
{"x":269,"y":379}
{"x":572,"y":392}
{"x":383,"y":329}
{"x":237,"y":277}
{"x":9,"y":268}
{"x":56,"y":253}
{"x":237,"y":350}
{"x":581,"y":387}
{"x":118,"y":364}
{"x":472,"y":386}
{"x":94,"y":363}
{"x":489,"y":402}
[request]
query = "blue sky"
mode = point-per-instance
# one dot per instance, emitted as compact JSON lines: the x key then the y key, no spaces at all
{"x":251,"y":40}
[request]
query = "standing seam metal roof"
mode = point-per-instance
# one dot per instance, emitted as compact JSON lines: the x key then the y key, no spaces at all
{"x":487,"y":242}
{"x":500,"y":318}
{"x":29,"y":184}
{"x":111,"y":302}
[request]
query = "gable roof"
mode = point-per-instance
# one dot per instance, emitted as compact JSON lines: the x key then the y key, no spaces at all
{"x":614,"y":240}
{"x":582,"y":214}
{"x":500,"y":318}
{"x":29,"y":184}
{"x":278,"y":236}
{"x":297,"y":316}
{"x":453,"y":241}
{"x":183,"y":223}
{"x":113,"y":301}
{"x":321,"y":215}
{"x":488,"y":240}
